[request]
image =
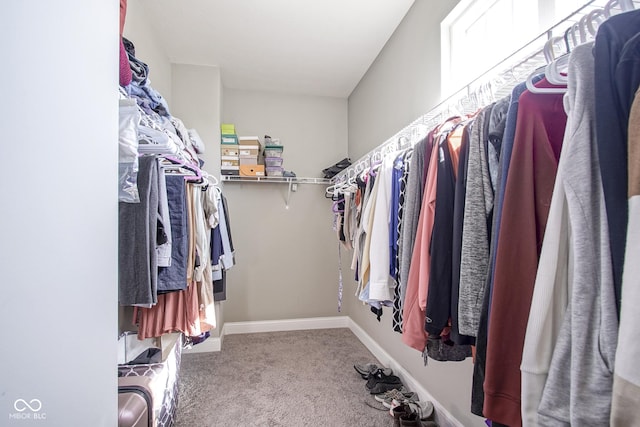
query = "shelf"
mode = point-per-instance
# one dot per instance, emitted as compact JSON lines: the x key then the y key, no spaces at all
{"x":291,"y":181}
{"x":275,"y":179}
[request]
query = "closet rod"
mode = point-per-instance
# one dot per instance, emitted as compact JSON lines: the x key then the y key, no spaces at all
{"x":495,"y":83}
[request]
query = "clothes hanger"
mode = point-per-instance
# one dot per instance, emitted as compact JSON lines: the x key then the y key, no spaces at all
{"x":152,"y":135}
{"x":555,"y":72}
{"x":348,"y":187}
{"x":211,"y":179}
{"x":549,"y":55}
{"x":624,"y":5}
{"x":195,"y":174}
{"x":342,"y":186}
{"x":571,"y":31}
{"x":595,"y":19}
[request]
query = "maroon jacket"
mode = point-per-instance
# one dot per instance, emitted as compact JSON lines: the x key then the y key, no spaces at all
{"x":540,"y":129}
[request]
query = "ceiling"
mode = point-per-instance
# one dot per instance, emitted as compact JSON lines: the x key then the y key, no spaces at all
{"x":315,"y":47}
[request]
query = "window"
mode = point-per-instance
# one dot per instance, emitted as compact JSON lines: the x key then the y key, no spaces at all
{"x":478,"y":34}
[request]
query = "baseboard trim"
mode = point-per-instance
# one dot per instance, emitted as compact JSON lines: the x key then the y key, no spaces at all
{"x":286,"y":325}
{"x":443,"y":417}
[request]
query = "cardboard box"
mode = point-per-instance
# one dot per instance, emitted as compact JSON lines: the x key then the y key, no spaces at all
{"x":229,"y":161}
{"x":229,"y":139}
{"x":230,"y":170}
{"x":252,"y":170}
{"x":230,"y":150}
{"x":249,"y":150}
{"x":249,"y":140}
{"x":249,"y":160}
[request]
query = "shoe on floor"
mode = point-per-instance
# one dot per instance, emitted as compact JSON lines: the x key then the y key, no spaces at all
{"x":390,"y":394}
{"x":386,"y":384}
{"x":380,"y":375}
{"x":414,"y":414}
{"x":396,"y":398}
{"x":424,"y":409}
{"x":398,"y":412}
{"x":410,"y":419}
{"x":368,"y":369}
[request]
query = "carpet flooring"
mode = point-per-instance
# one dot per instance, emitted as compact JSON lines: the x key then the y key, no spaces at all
{"x":290,"y":379}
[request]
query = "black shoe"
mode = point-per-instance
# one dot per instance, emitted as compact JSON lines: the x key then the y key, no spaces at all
{"x":369,"y":369}
{"x":398,"y":412}
{"x":381,"y":382}
{"x":386,"y":385}
{"x":376,"y":376}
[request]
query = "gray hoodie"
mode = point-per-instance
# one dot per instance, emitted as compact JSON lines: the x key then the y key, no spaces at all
{"x":569,"y":379}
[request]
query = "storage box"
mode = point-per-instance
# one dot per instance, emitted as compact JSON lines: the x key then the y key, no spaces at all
{"x":229,"y":161}
{"x":252,"y":170}
{"x":163,"y":376}
{"x":249,"y":140}
{"x":230,"y":170}
{"x":273,"y":161}
{"x":249,"y":150}
{"x":249,"y":160}
{"x":129,"y":346}
{"x":228,"y":128}
{"x":230,"y":139}
{"x":271,"y":151}
{"x":274,"y":171}
{"x":230,"y":150}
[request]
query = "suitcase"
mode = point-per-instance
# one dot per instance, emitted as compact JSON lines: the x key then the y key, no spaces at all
{"x":135,"y":402}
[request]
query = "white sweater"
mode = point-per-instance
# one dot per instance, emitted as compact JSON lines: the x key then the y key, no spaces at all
{"x":571,"y":334}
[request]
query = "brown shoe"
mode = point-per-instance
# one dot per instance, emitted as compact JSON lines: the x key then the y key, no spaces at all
{"x":399,"y":411}
{"x":410,"y":419}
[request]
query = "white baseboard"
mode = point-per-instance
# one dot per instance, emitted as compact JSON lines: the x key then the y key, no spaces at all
{"x":443,"y":417}
{"x":286,"y":325}
{"x":209,"y":345}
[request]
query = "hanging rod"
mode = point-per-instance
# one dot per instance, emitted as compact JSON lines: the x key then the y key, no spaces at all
{"x":495,"y":83}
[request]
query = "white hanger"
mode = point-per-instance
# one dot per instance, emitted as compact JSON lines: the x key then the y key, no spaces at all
{"x":595,"y":18}
{"x":331,"y":190}
{"x":549,"y":55}
{"x":212,"y":179}
{"x":553,"y":71}
{"x":624,"y":5}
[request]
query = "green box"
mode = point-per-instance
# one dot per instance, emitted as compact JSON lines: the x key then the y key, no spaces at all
{"x":228,"y":129}
{"x":231,"y":139}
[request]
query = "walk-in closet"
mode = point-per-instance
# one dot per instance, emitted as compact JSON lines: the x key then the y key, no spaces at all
{"x":339,"y":213}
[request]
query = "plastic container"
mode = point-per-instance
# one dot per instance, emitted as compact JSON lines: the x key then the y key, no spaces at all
{"x":273,"y":161}
{"x":274,"y":171}
{"x":272,"y":152}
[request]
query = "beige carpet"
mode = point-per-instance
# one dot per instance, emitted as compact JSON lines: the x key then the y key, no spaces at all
{"x":299,"y":378}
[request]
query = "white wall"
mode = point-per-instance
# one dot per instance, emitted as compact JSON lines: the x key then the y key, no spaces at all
{"x":197,"y":94}
{"x":402,"y":84}
{"x":58,"y":251}
{"x":142,"y":34}
{"x":286,"y":258}
{"x":313,"y":129}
